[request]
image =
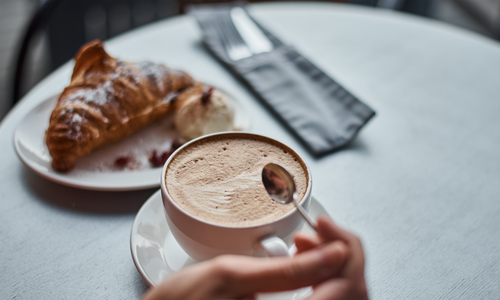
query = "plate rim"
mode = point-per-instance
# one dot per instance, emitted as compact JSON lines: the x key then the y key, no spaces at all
{"x":95,"y":186}
{"x":135,"y":259}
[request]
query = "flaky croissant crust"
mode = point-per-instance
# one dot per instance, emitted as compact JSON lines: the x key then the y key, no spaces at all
{"x":107,"y":100}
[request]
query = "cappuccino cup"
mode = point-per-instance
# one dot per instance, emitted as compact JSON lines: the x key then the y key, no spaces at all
{"x":215,"y":201}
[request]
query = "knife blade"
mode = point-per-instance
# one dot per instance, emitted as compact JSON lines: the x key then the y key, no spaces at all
{"x":251,"y":34}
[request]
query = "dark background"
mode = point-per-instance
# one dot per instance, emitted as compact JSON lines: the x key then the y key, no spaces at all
{"x":71,"y":23}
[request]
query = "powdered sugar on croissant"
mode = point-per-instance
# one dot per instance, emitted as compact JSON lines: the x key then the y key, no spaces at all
{"x":107,"y":100}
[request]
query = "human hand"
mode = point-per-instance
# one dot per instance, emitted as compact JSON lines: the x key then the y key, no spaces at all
{"x":349,"y":283}
{"x":332,"y":261}
{"x":236,"y":277}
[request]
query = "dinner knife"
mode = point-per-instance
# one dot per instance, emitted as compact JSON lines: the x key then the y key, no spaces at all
{"x":251,"y":34}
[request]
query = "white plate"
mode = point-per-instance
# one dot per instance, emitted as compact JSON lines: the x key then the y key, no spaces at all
{"x":97,"y":171}
{"x":157,"y":254}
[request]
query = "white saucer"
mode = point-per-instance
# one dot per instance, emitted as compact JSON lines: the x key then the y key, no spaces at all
{"x":97,"y":171}
{"x":157,"y":255}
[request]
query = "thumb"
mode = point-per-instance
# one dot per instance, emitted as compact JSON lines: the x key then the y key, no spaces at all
{"x":278,"y":274}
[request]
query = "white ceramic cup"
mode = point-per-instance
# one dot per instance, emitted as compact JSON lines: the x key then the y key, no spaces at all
{"x":203,"y":240}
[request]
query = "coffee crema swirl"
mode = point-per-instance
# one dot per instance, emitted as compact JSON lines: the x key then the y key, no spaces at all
{"x":219,"y":180}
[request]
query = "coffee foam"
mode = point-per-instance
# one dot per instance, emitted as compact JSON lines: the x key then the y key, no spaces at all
{"x":219,"y":180}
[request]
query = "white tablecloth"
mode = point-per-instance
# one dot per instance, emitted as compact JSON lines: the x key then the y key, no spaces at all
{"x":420,"y":184}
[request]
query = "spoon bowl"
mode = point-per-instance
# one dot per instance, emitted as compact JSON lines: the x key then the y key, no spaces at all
{"x":280,"y":186}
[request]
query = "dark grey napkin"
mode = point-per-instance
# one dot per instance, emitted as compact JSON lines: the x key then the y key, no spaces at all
{"x":323,"y":115}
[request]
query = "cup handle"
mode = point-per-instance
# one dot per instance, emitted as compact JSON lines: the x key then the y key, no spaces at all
{"x":274,"y":246}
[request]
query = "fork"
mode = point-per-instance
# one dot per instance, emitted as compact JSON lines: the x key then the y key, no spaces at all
{"x":235,"y":47}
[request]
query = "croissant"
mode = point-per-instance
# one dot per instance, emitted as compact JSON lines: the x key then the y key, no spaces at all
{"x":107,"y":100}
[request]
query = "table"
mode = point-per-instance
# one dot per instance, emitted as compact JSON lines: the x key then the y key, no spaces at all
{"x":420,"y":184}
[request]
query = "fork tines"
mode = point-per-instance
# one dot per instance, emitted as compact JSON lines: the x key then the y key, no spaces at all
{"x":234,"y":45}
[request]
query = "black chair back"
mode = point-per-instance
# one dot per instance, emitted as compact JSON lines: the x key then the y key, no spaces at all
{"x":69,"y":24}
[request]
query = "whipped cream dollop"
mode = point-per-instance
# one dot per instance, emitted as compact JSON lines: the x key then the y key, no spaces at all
{"x":204,"y":113}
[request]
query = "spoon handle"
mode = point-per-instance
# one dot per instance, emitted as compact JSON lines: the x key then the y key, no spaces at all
{"x":304,"y":214}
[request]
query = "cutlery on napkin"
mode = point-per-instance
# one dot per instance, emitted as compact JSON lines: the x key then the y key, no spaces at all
{"x":321,"y":113}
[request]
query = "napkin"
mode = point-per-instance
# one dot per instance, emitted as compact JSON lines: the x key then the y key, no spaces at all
{"x":322,"y":114}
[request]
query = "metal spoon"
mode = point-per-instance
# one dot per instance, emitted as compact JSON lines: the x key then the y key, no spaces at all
{"x":281,"y":187}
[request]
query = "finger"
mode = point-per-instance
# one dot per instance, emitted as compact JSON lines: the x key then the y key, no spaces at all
{"x":245,"y":276}
{"x":193,"y":282}
{"x":339,"y":289}
{"x":355,"y":267}
{"x":333,"y":289}
{"x":251,"y":297}
{"x":305,"y":242}
{"x":329,"y":231}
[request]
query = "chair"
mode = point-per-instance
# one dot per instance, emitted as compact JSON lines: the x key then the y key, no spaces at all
{"x":71,"y":23}
{"x":486,"y":13}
